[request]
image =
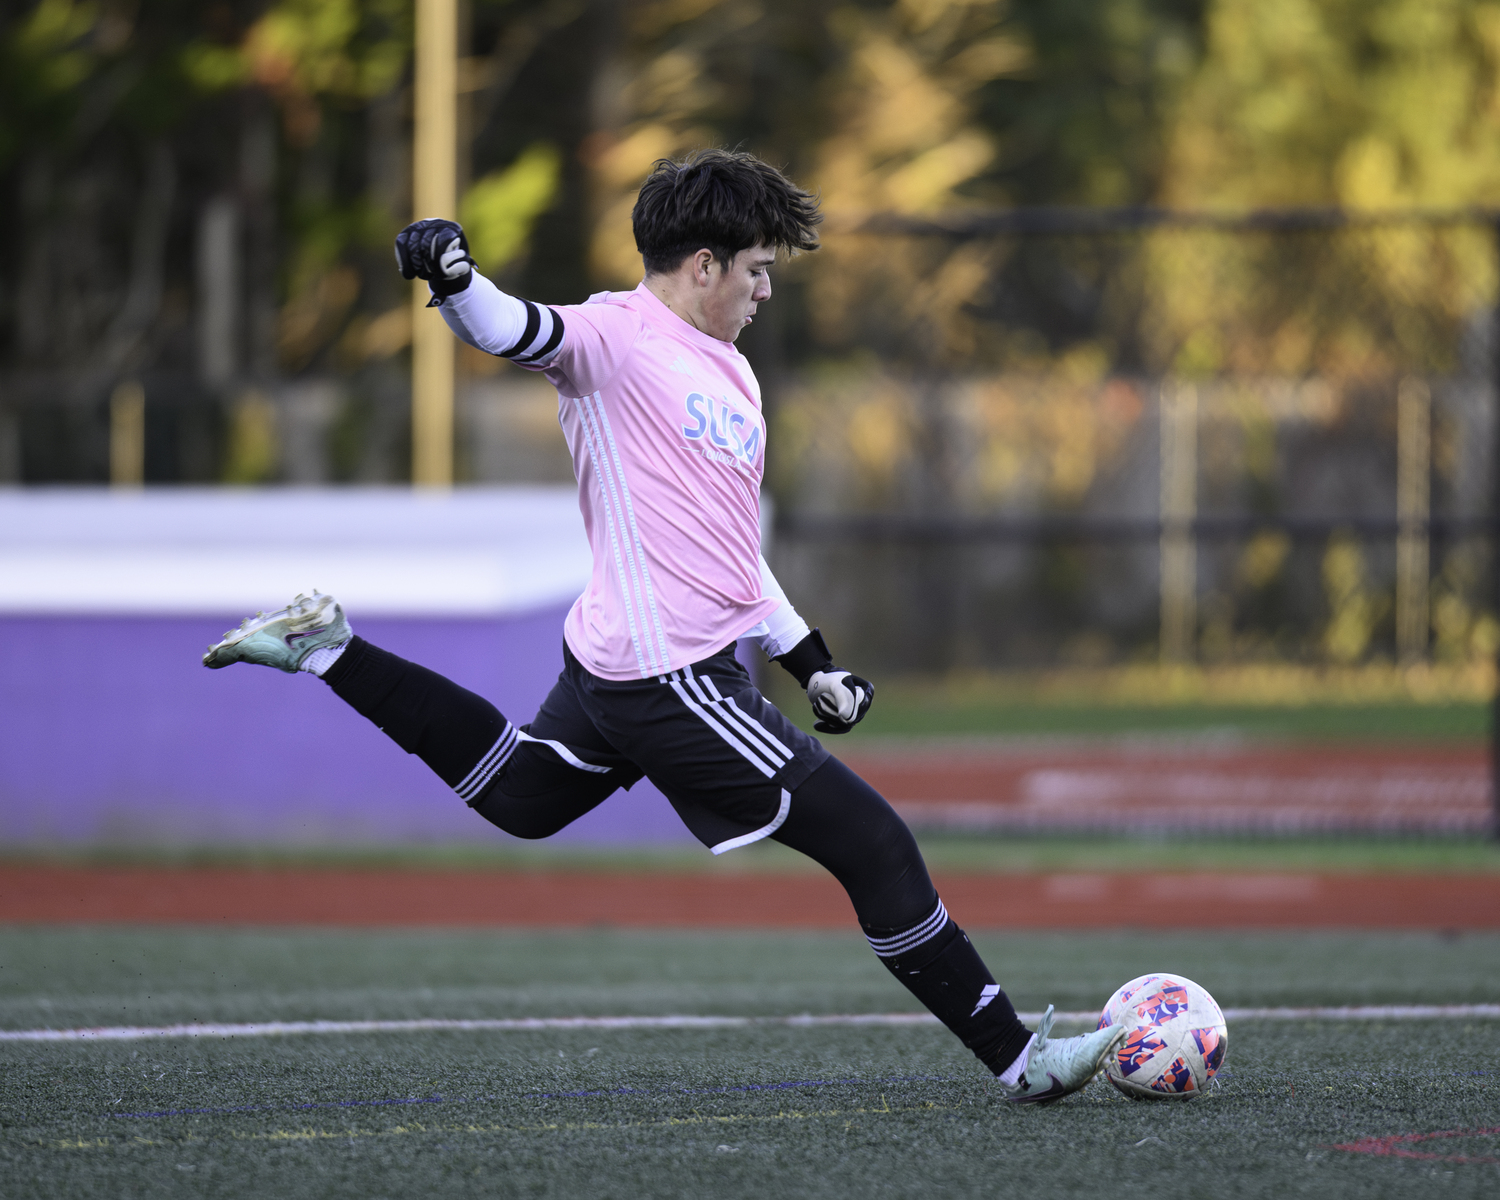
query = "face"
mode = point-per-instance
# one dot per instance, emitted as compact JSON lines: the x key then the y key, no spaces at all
{"x":729,"y":297}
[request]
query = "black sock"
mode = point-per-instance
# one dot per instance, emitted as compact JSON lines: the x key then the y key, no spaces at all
{"x":945,"y":972}
{"x":450,"y":728}
{"x":839,"y":820}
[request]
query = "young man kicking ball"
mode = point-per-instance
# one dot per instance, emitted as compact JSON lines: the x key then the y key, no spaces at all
{"x":663,"y":418}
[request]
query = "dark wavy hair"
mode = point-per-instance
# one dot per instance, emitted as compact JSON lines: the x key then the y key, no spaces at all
{"x":721,"y":200}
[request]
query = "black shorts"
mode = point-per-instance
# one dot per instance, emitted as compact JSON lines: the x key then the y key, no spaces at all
{"x":723,"y":755}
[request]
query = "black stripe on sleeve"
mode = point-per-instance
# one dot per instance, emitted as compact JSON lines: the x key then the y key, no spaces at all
{"x":533,"y":323}
{"x":552,"y":342}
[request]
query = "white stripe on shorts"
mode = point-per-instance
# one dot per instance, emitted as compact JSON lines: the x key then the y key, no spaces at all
{"x":564,"y":753}
{"x":764,"y":831}
{"x":774,"y":745}
{"x":715,"y":723}
{"x":768,"y":747}
{"x":925,"y":931}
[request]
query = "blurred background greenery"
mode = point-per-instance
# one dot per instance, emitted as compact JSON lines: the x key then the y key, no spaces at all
{"x":201,"y":197}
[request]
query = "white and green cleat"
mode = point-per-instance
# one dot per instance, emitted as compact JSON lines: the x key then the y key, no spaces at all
{"x":285,"y":638}
{"x":1057,"y":1067}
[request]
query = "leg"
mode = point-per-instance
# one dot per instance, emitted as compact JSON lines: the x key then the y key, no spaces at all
{"x":737,"y":771}
{"x":841,"y":822}
{"x":530,"y":782}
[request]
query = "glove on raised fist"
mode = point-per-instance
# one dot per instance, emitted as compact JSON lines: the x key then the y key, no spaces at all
{"x":437,"y":251}
{"x":840,"y":699}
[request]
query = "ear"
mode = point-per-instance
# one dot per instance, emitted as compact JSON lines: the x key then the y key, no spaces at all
{"x":703,"y":265}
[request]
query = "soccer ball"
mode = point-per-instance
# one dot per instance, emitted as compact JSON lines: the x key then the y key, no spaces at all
{"x":1175,"y":1039}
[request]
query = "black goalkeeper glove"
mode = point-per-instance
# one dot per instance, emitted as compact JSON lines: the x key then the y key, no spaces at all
{"x":840,"y":699}
{"x":437,"y":251}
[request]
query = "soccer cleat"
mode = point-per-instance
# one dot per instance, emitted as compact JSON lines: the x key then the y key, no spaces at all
{"x":1059,"y":1066}
{"x":285,"y":638}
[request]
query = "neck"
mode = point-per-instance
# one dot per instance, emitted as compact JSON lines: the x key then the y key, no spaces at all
{"x":665,"y":288}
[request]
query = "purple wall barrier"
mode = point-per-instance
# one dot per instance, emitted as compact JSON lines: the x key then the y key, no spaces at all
{"x":113,"y":733}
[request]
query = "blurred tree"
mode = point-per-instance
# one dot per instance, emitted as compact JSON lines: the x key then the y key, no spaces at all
{"x":542,"y":74}
{"x":1366,"y":103}
{"x":1089,"y":119}
{"x":693,"y":73}
{"x":1390,"y":104}
{"x":122,"y":120}
{"x":243,"y":165}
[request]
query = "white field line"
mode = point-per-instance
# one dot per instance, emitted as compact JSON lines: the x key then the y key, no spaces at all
{"x":132,"y":1033}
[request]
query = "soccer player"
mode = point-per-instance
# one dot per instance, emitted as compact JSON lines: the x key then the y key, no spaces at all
{"x":663,"y":418}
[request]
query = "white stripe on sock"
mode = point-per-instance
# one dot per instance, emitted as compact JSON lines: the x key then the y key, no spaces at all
{"x":899,"y":943}
{"x":1011,"y":1076}
{"x":487,"y":767}
{"x":322,"y":658}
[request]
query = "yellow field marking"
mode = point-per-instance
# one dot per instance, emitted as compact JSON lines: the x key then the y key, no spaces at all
{"x":309,"y":1134}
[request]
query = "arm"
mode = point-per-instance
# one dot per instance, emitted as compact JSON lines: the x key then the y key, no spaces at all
{"x":840,"y":699}
{"x":474,"y":308}
{"x":502,"y":325}
{"x":785,"y":627}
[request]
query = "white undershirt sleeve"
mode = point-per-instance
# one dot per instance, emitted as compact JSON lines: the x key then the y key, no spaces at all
{"x":506,"y":326}
{"x":785,"y":627}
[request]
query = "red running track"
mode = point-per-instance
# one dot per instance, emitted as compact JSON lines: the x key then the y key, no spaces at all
{"x":243,"y":896}
{"x":1075,"y":785}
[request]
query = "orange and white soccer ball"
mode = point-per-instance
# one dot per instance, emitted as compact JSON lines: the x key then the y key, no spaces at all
{"x":1175,"y":1040}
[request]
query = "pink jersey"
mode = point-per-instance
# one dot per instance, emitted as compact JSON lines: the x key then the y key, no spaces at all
{"x":668,"y":445}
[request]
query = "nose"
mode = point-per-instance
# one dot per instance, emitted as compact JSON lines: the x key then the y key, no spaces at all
{"x":762,"y":291}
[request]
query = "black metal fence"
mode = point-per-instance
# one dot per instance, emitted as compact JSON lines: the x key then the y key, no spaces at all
{"x":1124,"y":434}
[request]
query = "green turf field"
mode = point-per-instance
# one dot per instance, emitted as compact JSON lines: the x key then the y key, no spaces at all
{"x":944,"y":852}
{"x":872,"y":1112}
{"x":898,"y":713}
{"x":1293,"y":705}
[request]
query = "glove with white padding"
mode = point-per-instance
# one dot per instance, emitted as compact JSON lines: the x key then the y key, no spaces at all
{"x":840,"y":699}
{"x":437,"y":251}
